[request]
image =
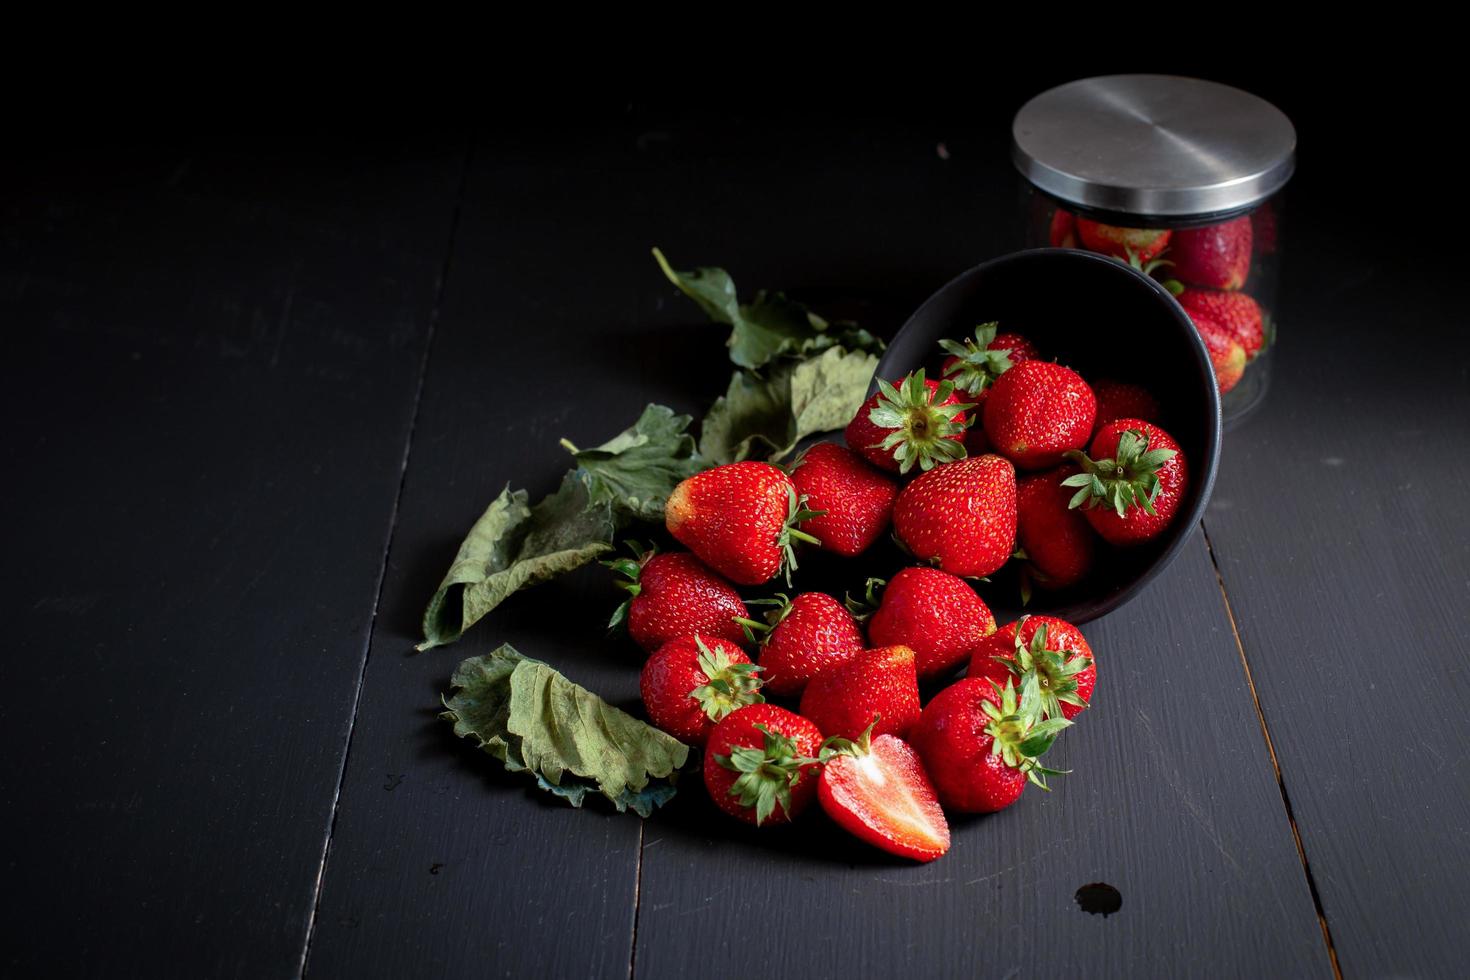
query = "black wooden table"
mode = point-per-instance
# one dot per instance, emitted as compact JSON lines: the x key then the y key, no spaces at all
{"x":256,"y":397}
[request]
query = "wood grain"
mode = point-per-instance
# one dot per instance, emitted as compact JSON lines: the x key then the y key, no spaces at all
{"x":211,"y":365}
{"x":1342,"y":536}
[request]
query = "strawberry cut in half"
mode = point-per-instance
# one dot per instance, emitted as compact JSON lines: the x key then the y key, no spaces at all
{"x":878,"y":791}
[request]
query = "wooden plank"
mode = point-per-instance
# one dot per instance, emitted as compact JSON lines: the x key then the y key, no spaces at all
{"x":1341,"y":533}
{"x":439,"y":863}
{"x":212,"y":362}
{"x":1171,"y":801}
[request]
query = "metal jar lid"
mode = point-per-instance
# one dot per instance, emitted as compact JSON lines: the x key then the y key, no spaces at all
{"x":1154,"y":145}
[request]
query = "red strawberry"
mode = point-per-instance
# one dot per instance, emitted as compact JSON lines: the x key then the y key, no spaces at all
{"x":980,"y":744}
{"x":914,"y":423}
{"x":1053,"y":648}
{"x":675,"y":595}
{"x":856,"y":499}
{"x":740,"y":519}
{"x":804,"y":636}
{"x":1133,"y":490}
{"x":1037,"y":411}
{"x":1123,"y":243}
{"x":974,"y":365}
{"x":876,"y":688}
{"x":1218,"y":256}
{"x":1120,"y":400}
{"x":961,"y":516}
{"x":1063,"y":231}
{"x":1227,"y":356}
{"x":1264,"y":229}
{"x":935,"y":614}
{"x":1058,"y":542}
{"x":1238,"y":312}
{"x":877,"y":791}
{"x":692,"y":682}
{"x":760,"y":764}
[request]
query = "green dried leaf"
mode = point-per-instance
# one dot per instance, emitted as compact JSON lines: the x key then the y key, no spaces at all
{"x":636,"y":470}
{"x":513,"y":546}
{"x":770,"y":327}
{"x":764,"y":418}
{"x":533,"y":719}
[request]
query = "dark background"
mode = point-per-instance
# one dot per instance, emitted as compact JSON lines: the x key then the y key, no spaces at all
{"x":272,"y":347}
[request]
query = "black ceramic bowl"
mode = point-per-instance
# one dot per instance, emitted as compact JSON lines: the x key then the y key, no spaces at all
{"x":1104,"y":320}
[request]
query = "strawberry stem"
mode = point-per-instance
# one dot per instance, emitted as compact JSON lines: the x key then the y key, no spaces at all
{"x":922,"y":429}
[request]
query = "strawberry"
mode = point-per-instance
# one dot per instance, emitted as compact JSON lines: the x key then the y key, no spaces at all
{"x":856,"y":500}
{"x":961,"y":516}
{"x":876,"y":789}
{"x":1063,"y":230}
{"x":692,"y":682}
{"x":1133,"y":490}
{"x":876,"y":690}
{"x":1122,"y":243}
{"x":1037,"y":411}
{"x":1120,"y":400}
{"x":913,"y":423}
{"x":1217,"y":256}
{"x":1053,"y":648}
{"x":980,"y":743}
{"x":675,"y":595}
{"x":740,"y":519}
{"x":760,"y":764}
{"x":935,"y":614}
{"x":1058,"y":543}
{"x":804,"y":636}
{"x":1237,"y":312}
{"x":974,"y":365}
{"x":1227,"y":356}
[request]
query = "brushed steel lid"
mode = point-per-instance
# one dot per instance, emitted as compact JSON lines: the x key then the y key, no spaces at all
{"x":1154,"y":145}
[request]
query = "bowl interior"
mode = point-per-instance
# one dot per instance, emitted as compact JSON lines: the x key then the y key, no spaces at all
{"x":1104,"y":320}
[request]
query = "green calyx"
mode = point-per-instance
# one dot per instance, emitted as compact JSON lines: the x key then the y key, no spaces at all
{"x":766,"y":773}
{"x":978,"y":366}
{"x":1018,"y":733}
{"x":1056,"y":675}
{"x":1129,"y":479}
{"x":631,"y":569}
{"x":862,"y":609}
{"x":1174,"y":286}
{"x":731,"y":685}
{"x":790,"y":532}
{"x":922,"y":430}
{"x":836,"y":745}
{"x":759,"y":632}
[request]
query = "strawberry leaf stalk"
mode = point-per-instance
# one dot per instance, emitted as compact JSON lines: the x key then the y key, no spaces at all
{"x":1130,"y":478}
{"x":1056,"y":676}
{"x":972,"y":366}
{"x":798,"y":512}
{"x":766,"y":773}
{"x":922,"y":430}
{"x":1019,"y":735}
{"x":1174,"y":286}
{"x":731,"y":685}
{"x":631,"y":570}
{"x":862,"y":608}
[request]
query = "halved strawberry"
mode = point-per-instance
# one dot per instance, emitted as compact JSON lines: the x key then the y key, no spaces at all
{"x":878,"y":792}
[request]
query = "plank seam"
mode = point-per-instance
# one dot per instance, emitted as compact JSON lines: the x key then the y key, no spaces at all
{"x":637,"y":898}
{"x":1296,"y":836}
{"x":387,"y":554}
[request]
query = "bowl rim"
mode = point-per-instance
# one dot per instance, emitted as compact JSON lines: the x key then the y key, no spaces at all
{"x":1183,"y":529}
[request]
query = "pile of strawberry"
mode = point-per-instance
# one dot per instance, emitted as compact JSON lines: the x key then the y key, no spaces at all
{"x":1096,"y":469}
{"x":1205,"y":268}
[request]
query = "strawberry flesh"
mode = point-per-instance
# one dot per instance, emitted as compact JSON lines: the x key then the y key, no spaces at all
{"x":885,"y":798}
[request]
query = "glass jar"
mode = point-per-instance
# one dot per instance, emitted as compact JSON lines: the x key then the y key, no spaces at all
{"x":1181,"y":178}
